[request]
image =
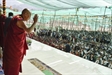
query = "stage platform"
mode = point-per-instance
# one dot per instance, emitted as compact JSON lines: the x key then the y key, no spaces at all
{"x":59,"y":62}
{"x":30,"y":69}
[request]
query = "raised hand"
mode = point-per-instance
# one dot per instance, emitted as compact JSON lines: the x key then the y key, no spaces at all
{"x":35,"y":18}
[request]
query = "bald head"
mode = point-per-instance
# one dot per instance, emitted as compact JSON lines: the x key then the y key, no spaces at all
{"x":26,"y":14}
{"x":25,"y":11}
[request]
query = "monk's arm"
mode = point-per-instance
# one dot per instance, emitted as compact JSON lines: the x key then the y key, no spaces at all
{"x":23,"y":26}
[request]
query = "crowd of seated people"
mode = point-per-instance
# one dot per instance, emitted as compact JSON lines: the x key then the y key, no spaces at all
{"x":91,"y":45}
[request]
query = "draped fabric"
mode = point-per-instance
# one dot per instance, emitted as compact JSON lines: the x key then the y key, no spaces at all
{"x":2,"y":22}
{"x":15,"y":48}
{"x":6,"y":25}
{"x":5,"y":28}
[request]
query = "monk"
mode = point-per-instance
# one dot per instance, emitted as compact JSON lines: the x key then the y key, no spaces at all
{"x":15,"y":45}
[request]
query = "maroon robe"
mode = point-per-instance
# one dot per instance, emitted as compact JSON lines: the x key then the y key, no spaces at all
{"x":2,"y":22}
{"x":15,"y":48}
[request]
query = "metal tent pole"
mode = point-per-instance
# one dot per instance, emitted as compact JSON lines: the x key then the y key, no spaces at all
{"x":42,"y":20}
{"x":103,"y":21}
{"x":77,"y":9}
{"x":68,"y":22}
{"x":85,"y":20}
{"x":96,"y":23}
{"x":53,"y":19}
{"x":111,"y":25}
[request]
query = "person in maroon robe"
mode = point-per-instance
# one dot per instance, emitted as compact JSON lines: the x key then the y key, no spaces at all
{"x":2,"y":22}
{"x":15,"y":45}
{"x":6,"y":25}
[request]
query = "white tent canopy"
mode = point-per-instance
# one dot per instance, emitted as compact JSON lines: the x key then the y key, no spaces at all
{"x":56,"y":4}
{"x":65,"y":10}
{"x":91,"y":7}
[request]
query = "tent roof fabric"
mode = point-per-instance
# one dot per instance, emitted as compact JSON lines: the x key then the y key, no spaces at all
{"x":56,"y":4}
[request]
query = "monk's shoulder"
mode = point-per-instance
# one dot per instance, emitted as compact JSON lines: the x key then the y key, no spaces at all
{"x":20,"y":23}
{"x":19,"y":18}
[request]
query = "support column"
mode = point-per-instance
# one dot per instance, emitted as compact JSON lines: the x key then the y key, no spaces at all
{"x":4,"y":7}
